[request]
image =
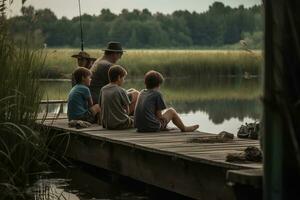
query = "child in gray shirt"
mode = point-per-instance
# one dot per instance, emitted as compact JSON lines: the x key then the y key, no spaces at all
{"x":148,"y":115}
{"x":115,"y":101}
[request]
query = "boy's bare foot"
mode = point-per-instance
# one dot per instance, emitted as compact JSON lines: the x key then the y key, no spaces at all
{"x":190,"y":128}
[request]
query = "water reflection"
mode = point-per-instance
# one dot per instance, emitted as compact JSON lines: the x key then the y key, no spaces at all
{"x":220,"y":110}
{"x":89,"y":183}
{"x":210,"y":102}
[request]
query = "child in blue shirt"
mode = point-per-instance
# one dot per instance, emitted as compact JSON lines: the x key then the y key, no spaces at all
{"x":80,"y":103}
{"x":151,"y":113}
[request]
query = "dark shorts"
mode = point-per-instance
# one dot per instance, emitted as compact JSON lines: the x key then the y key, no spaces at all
{"x":88,"y":116}
{"x":163,"y":124}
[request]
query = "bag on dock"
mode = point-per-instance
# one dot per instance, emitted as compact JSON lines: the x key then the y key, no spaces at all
{"x":251,"y":154}
{"x":250,"y":131}
{"x":79,"y":124}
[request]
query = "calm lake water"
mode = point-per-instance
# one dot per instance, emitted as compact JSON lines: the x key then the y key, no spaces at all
{"x":82,"y":182}
{"x":216,"y":104}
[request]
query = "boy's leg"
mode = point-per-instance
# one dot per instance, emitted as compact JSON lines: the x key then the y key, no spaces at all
{"x":133,"y":96}
{"x":171,"y":115}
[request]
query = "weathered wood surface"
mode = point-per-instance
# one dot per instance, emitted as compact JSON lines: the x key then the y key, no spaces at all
{"x":166,"y":159}
{"x":251,"y":177}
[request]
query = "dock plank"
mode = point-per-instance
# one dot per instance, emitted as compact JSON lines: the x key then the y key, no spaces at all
{"x":206,"y":150}
{"x":156,"y":158}
{"x":187,"y":144}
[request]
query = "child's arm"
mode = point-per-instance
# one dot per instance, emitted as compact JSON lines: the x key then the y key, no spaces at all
{"x":90,"y":101}
{"x":125,"y":100}
{"x":85,"y":91}
{"x":127,"y":109}
{"x":159,"y":106}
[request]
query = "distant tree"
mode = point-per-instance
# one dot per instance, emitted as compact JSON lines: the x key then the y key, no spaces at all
{"x":119,"y":30}
{"x":133,"y":40}
{"x":28,"y":11}
{"x":107,"y":15}
{"x":220,"y":25}
{"x":145,"y":15}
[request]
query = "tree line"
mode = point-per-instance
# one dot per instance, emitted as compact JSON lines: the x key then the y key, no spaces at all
{"x":220,"y":25}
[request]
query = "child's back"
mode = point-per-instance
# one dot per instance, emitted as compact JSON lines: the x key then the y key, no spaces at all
{"x":80,"y":103}
{"x":149,"y":115}
{"x":145,"y":120}
{"x":77,"y":101}
{"x":114,"y":100}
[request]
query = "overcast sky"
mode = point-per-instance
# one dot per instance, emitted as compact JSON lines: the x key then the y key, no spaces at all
{"x":69,"y":8}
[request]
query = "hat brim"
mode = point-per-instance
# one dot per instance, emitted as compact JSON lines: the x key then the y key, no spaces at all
{"x":79,"y":56}
{"x":111,"y":50}
{"x":75,"y":56}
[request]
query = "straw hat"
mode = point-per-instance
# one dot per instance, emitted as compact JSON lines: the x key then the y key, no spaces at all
{"x":83,"y":54}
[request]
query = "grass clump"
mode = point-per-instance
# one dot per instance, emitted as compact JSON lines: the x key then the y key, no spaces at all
{"x":172,"y":63}
{"x":187,"y":63}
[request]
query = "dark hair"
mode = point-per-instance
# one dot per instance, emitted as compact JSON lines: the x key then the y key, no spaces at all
{"x":116,"y":71}
{"x":153,"y":79}
{"x":79,"y":73}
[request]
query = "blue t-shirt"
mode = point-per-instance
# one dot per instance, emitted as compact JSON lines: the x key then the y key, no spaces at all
{"x":148,"y":103}
{"x":78,"y":101}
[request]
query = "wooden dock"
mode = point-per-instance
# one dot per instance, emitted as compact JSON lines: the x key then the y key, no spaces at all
{"x":167,"y":159}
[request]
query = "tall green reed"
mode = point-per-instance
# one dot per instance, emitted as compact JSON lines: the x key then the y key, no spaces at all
{"x":20,"y":71}
{"x":23,"y":148}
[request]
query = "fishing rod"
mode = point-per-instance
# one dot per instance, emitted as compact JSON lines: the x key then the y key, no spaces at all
{"x":81,"y":31}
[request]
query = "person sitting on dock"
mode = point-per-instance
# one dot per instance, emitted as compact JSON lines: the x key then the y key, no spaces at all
{"x":117,"y":103}
{"x":80,"y":103}
{"x":148,"y":116}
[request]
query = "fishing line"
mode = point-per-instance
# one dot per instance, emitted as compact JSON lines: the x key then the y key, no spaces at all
{"x":81,"y":31}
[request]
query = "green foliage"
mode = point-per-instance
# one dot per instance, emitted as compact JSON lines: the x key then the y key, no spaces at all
{"x":253,"y":40}
{"x":23,"y":148}
{"x":192,"y":63}
{"x":172,"y":63}
{"x":220,"y":25}
{"x":19,"y":90}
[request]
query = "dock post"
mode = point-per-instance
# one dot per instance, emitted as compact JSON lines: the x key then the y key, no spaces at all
{"x":281,"y":116}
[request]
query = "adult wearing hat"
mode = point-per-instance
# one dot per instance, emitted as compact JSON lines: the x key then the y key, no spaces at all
{"x":84,"y":59}
{"x":112,"y":54}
